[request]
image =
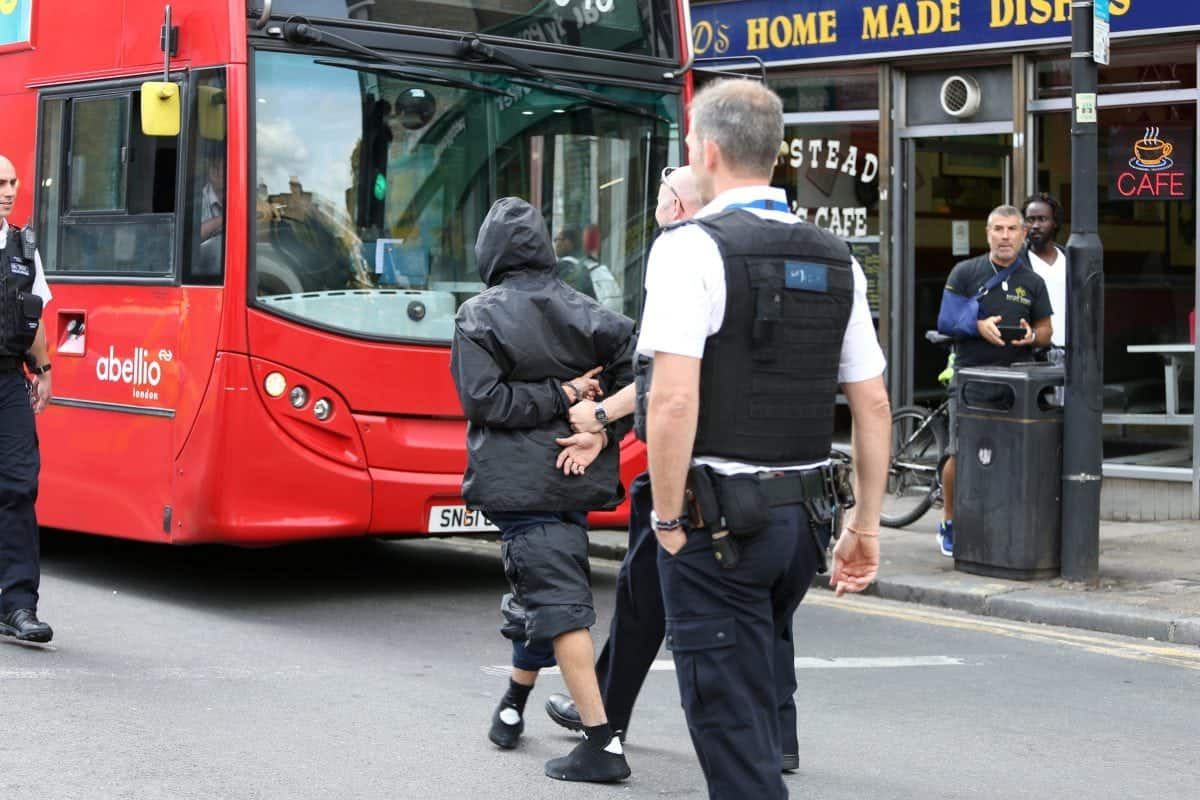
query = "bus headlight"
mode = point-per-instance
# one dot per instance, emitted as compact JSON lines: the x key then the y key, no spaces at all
{"x":298,"y":397}
{"x":275,"y":384}
{"x":322,"y":409}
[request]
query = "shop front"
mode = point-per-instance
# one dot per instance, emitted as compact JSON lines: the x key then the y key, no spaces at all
{"x":907,"y":121}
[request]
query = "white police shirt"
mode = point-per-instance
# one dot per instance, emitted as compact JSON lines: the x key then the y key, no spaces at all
{"x":685,"y":302}
{"x":40,"y":287}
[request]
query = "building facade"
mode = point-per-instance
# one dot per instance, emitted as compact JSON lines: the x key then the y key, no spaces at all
{"x":908,"y":120}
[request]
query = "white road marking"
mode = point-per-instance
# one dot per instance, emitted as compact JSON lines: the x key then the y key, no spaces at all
{"x":881,"y":662}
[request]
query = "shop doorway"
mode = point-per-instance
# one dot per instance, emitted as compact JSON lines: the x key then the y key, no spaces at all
{"x":951,"y":183}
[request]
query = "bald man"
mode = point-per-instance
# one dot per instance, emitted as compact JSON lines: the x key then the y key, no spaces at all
{"x":22,"y":347}
{"x":678,"y":196}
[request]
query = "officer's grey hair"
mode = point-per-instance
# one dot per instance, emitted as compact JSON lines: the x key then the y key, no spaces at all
{"x":1004,"y":211}
{"x":744,"y":119}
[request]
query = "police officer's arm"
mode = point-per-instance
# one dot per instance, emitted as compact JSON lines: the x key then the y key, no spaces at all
{"x":671,"y":417}
{"x":41,"y":383}
{"x":617,"y":406}
{"x":856,"y":557}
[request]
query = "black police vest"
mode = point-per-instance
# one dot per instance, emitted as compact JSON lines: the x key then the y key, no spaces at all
{"x":768,"y":380}
{"x":20,"y":308}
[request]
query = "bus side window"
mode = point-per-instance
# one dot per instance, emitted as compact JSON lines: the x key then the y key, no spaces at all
{"x":204,"y":215}
{"x":106,"y":205}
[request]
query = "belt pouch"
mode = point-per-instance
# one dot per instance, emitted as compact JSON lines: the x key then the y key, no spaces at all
{"x":703,"y":507}
{"x":743,"y":504}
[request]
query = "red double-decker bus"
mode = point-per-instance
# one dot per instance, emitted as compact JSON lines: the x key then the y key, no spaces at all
{"x":251,"y":316}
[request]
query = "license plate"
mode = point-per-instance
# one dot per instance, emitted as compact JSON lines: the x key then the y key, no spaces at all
{"x":458,"y":519}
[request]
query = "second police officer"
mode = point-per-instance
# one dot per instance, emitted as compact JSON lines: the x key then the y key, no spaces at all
{"x":23,"y":294}
{"x":752,"y":320}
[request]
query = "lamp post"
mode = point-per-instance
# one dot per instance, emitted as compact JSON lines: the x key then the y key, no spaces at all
{"x":1082,"y":434}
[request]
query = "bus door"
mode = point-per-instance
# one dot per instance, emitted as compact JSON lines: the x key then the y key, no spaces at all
{"x":130,"y":338}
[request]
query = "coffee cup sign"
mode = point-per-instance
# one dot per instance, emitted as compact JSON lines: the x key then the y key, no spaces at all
{"x":1155,"y":165}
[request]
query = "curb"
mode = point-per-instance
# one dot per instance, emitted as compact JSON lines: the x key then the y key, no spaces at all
{"x":1017,"y":603}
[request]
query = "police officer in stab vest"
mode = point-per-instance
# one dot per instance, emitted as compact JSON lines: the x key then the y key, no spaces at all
{"x":752,"y":319}
{"x":23,"y":294}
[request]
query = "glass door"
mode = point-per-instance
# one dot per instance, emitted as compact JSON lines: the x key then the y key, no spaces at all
{"x":951,"y":184}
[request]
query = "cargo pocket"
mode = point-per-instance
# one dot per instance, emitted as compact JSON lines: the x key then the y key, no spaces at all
{"x":704,"y":657}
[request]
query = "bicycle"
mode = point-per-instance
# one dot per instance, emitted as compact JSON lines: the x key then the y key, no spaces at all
{"x":919,"y":439}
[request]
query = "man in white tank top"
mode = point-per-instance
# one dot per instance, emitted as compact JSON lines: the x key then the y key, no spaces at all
{"x":1044,"y":218}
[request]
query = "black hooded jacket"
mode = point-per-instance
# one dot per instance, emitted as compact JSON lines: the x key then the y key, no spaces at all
{"x":515,"y":344}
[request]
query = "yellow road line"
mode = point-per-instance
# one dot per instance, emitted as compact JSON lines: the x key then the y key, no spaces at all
{"x":1184,"y":656}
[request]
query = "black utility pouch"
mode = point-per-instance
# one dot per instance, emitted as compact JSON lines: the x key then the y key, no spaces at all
{"x":31,"y":305}
{"x":704,"y":510}
{"x":743,"y":504}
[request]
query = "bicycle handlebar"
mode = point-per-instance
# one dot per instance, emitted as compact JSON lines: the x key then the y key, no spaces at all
{"x":933,"y":337}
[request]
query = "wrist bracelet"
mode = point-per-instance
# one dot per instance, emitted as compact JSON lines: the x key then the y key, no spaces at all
{"x":865,"y":534}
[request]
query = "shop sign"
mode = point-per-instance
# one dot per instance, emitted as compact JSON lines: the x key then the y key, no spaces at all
{"x":14,"y":21}
{"x":783,"y":30}
{"x":1151,"y":163}
{"x":824,"y":161}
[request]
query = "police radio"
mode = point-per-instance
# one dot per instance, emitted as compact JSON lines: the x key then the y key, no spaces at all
{"x":28,"y":243}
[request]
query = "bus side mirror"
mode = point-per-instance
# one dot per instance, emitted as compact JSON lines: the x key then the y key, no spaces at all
{"x":212,"y":113}
{"x":160,"y":109}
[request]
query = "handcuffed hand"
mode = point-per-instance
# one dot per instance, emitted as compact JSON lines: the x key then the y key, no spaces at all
{"x":855,"y":561}
{"x":583,"y":417}
{"x":584,"y":387}
{"x":579,"y":450}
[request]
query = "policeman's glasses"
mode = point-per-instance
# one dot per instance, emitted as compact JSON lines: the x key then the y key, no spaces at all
{"x":666,"y":173}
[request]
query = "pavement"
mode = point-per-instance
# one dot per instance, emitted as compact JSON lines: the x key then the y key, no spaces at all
{"x":1149,"y":583}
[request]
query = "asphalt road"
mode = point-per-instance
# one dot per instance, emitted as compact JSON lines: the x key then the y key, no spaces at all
{"x":366,"y":670}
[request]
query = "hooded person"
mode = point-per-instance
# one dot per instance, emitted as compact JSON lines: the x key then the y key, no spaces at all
{"x":525,"y":350}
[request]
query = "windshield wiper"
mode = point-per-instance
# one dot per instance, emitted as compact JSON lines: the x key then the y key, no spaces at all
{"x":299,"y":31}
{"x":412,"y":73}
{"x":475,"y":49}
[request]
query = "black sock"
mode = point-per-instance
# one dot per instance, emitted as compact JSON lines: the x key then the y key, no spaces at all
{"x":599,"y":735}
{"x":516,"y":696}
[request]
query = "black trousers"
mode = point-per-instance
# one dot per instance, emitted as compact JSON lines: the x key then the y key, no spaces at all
{"x":19,"y":466}
{"x":730,"y":633}
{"x":639,"y":622}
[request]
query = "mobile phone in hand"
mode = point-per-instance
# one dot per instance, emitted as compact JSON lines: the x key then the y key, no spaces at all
{"x":1011,"y":333}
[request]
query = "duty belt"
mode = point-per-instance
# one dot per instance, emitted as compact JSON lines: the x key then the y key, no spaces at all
{"x":789,"y":488}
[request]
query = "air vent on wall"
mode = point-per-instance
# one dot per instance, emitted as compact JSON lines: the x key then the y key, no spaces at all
{"x":961,"y":96}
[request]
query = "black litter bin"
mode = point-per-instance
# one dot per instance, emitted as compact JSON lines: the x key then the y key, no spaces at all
{"x":1008,"y":473}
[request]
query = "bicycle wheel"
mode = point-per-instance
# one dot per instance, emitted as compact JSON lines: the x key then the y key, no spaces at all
{"x":918,"y":442}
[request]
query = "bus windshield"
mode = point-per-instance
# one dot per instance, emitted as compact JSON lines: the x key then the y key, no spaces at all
{"x":371,"y":185}
{"x":636,"y":27}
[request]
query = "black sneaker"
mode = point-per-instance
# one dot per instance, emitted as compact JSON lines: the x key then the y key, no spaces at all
{"x":592,"y":763}
{"x":791,"y":762}
{"x":507,"y":727}
{"x":25,"y":626}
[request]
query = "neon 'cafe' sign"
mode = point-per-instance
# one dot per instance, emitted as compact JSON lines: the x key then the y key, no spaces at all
{"x":1151,"y":164}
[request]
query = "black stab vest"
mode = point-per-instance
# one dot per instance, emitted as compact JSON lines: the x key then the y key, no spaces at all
{"x":768,"y":380}
{"x":20,"y":308}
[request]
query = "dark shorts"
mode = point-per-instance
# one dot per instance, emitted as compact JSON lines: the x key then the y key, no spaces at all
{"x":546,"y":564}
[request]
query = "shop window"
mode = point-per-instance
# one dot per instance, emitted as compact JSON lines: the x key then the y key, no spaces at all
{"x":831,"y":175}
{"x":828,"y":91}
{"x":1147,"y":216}
{"x":1161,"y":69}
